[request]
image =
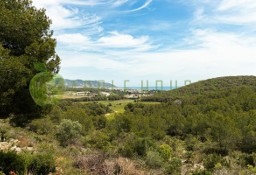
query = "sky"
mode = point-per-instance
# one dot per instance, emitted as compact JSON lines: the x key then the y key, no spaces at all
{"x":153,"y":40}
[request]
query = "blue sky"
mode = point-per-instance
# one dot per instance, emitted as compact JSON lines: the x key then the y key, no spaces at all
{"x":153,"y":39}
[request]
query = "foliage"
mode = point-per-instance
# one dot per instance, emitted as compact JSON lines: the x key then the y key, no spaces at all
{"x":206,"y":87}
{"x":153,"y":159}
{"x":42,"y":164}
{"x":165,"y":151}
{"x":68,"y":132}
{"x":41,"y":126}
{"x":135,"y":146}
{"x":212,"y":132}
{"x":10,"y":161}
{"x":173,"y":167}
{"x":212,"y":160}
{"x":201,"y":172}
{"x":99,"y":140}
{"x":79,"y":114}
{"x":25,"y":39}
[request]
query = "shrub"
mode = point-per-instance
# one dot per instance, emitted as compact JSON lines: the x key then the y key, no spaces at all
{"x":11,"y":161}
{"x":41,"y":126}
{"x":99,"y":122}
{"x":55,"y":114}
{"x":201,"y":172}
{"x":100,"y":164}
{"x":42,"y":164}
{"x":165,"y":151}
{"x":68,"y":132}
{"x":247,"y":159}
{"x":136,"y":146}
{"x":153,"y":159}
{"x":173,"y":167}
{"x":99,"y":140}
{"x":252,"y":168}
{"x":20,"y":120}
{"x":77,"y":113}
{"x":126,"y":151}
{"x":211,"y":160}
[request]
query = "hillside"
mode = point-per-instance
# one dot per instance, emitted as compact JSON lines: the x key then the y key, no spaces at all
{"x":206,"y":87}
{"x":206,"y":128}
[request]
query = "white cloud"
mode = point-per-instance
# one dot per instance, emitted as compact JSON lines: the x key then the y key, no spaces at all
{"x":73,"y":39}
{"x":215,"y":53}
{"x":236,"y":4}
{"x":70,"y":18}
{"x":238,"y":12}
{"x":220,"y":54}
{"x":66,"y":20}
{"x":107,"y":44}
{"x":118,"y":3}
{"x":45,"y":3}
{"x":64,"y":17}
{"x":117,"y":40}
{"x":146,"y":4}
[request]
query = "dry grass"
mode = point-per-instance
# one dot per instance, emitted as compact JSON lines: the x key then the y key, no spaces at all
{"x":98,"y":164}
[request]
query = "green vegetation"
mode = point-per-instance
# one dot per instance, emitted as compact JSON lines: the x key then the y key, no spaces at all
{"x":68,"y":132}
{"x":202,"y":133}
{"x":118,"y":106}
{"x":207,"y":127}
{"x":201,"y":88}
{"x":25,"y":40}
{"x":41,"y":164}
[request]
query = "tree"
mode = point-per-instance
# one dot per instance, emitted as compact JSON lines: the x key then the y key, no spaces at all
{"x":78,"y":114}
{"x":224,"y":131}
{"x":68,"y":132}
{"x":25,"y":39}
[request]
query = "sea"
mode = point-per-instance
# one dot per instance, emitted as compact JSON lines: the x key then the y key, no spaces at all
{"x":164,"y":88}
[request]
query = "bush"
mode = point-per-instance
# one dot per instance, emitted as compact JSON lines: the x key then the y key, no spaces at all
{"x":99,"y":122}
{"x":20,"y":120}
{"x":201,"y":172}
{"x":153,"y":159}
{"x":41,"y":126}
{"x":99,"y":140}
{"x":173,"y":167}
{"x":68,"y":132}
{"x":55,"y":114}
{"x":77,"y":113}
{"x":247,"y":159}
{"x":211,"y":160}
{"x":165,"y":151}
{"x":136,"y":146}
{"x":11,"y":161}
{"x":42,"y":164}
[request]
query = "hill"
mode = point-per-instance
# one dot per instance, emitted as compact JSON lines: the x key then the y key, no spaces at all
{"x":206,"y":128}
{"x":205,"y":87}
{"x":89,"y":84}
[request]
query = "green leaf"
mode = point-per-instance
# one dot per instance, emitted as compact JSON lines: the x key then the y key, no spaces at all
{"x":40,"y":67}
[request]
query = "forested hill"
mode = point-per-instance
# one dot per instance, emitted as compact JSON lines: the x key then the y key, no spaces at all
{"x":206,"y":88}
